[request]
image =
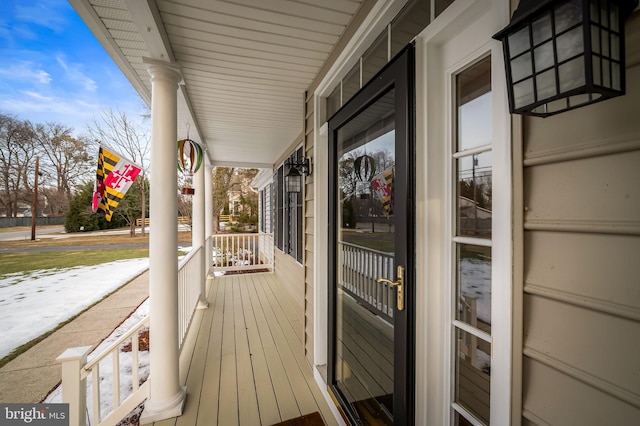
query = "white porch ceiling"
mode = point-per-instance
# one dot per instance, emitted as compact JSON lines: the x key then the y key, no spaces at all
{"x":245,"y":63}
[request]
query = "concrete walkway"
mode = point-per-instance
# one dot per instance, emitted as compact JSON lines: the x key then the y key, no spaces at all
{"x":32,"y":375}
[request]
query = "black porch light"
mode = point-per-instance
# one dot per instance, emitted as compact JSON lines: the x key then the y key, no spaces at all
{"x":293,"y":179}
{"x":564,"y":54}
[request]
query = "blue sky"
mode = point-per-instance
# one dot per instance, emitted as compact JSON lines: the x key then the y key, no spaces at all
{"x":52,"y":69}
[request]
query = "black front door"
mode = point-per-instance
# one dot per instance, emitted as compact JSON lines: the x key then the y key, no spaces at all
{"x":371,"y":290}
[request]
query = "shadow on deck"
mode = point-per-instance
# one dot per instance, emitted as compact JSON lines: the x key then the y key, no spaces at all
{"x":246,"y":362}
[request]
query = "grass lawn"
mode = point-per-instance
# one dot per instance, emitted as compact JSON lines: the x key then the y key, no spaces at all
{"x":22,"y":261}
{"x":381,"y":241}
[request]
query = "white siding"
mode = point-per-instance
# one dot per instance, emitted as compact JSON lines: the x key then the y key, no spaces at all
{"x":581,"y":299}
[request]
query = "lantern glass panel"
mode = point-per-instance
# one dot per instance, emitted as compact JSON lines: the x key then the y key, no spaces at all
{"x":294,"y":183}
{"x":597,"y":73}
{"x":578,"y":100}
{"x":570,"y":44}
{"x":519,"y":42}
{"x":615,"y":76}
{"x":595,"y":39}
{"x":546,"y":84}
{"x":568,"y":15}
{"x":521,"y":67}
{"x":543,"y":56}
{"x":606,"y":73}
{"x":614,"y":17}
{"x":595,"y":11}
{"x":571,"y":74}
{"x":551,"y":107}
{"x":523,"y":93}
{"x":605,"y":43}
{"x":615,"y":47}
{"x":541,"y":29}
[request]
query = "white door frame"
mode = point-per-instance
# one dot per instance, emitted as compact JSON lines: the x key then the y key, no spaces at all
{"x":457,"y":38}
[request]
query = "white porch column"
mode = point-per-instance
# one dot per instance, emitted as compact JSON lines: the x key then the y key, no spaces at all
{"x":166,"y":397}
{"x":197,"y":231}
{"x":208,"y":214}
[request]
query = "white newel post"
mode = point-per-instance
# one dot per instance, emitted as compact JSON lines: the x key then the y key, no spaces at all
{"x":74,"y":390}
{"x":166,"y":398}
{"x":208,"y":215}
{"x":197,"y":232}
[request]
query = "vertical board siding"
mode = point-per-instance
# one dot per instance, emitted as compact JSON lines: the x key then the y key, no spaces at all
{"x":581,"y":308}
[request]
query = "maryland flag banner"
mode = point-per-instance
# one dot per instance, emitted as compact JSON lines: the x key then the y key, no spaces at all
{"x":114,"y":177}
{"x":383,"y":186}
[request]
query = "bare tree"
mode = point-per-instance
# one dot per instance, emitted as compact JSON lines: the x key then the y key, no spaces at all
{"x":117,"y":130}
{"x":221,"y":185}
{"x":17,"y":152}
{"x":67,"y":162}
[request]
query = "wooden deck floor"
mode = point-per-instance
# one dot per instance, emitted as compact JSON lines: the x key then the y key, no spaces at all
{"x":248,"y":365}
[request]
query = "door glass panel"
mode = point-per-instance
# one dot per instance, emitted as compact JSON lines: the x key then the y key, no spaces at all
{"x":474,"y":286}
{"x":472,"y":159}
{"x":366,"y":251}
{"x":474,"y":102}
{"x":473,"y":368}
{"x":375,"y":58}
{"x":474,"y":201}
{"x":351,"y":83}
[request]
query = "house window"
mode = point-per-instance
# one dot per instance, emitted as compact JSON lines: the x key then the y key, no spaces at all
{"x":472,"y":252}
{"x":265,"y":209}
{"x":414,"y":17}
{"x":278,"y":207}
{"x":288,"y":214}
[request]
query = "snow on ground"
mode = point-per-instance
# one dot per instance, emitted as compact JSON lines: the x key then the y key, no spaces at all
{"x":35,"y":302}
{"x":475,"y":283}
{"x":106,"y":368}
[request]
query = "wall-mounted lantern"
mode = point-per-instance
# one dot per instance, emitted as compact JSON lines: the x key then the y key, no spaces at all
{"x":564,"y":54}
{"x":293,"y":179}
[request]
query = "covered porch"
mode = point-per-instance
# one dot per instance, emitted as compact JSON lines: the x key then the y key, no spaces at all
{"x":244,"y":360}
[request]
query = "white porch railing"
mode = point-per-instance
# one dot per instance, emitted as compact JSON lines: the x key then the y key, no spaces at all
{"x":90,"y":401}
{"x":361,"y":267}
{"x":190,"y":272}
{"x":107,"y":405}
{"x":242,"y":252}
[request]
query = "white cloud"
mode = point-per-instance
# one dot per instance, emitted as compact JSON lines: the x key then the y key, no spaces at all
{"x":47,"y":13}
{"x":26,"y":71}
{"x":73,"y":73}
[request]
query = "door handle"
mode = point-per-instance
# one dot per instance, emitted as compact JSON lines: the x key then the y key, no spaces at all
{"x":400,"y":286}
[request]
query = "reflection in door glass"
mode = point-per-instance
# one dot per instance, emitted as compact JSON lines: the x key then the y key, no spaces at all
{"x":473,"y":200}
{"x":475,"y":189}
{"x":366,"y":245}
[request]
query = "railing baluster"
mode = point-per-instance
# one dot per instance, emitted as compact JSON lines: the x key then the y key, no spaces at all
{"x":135,"y":364}
{"x":95,"y":378}
{"x":237,"y":252}
{"x":115,"y":359}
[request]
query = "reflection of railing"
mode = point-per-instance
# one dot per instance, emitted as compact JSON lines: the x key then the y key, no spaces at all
{"x":242,"y":252}
{"x":361,"y":267}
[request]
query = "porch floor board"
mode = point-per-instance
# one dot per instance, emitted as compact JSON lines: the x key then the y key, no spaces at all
{"x":248,"y":365}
